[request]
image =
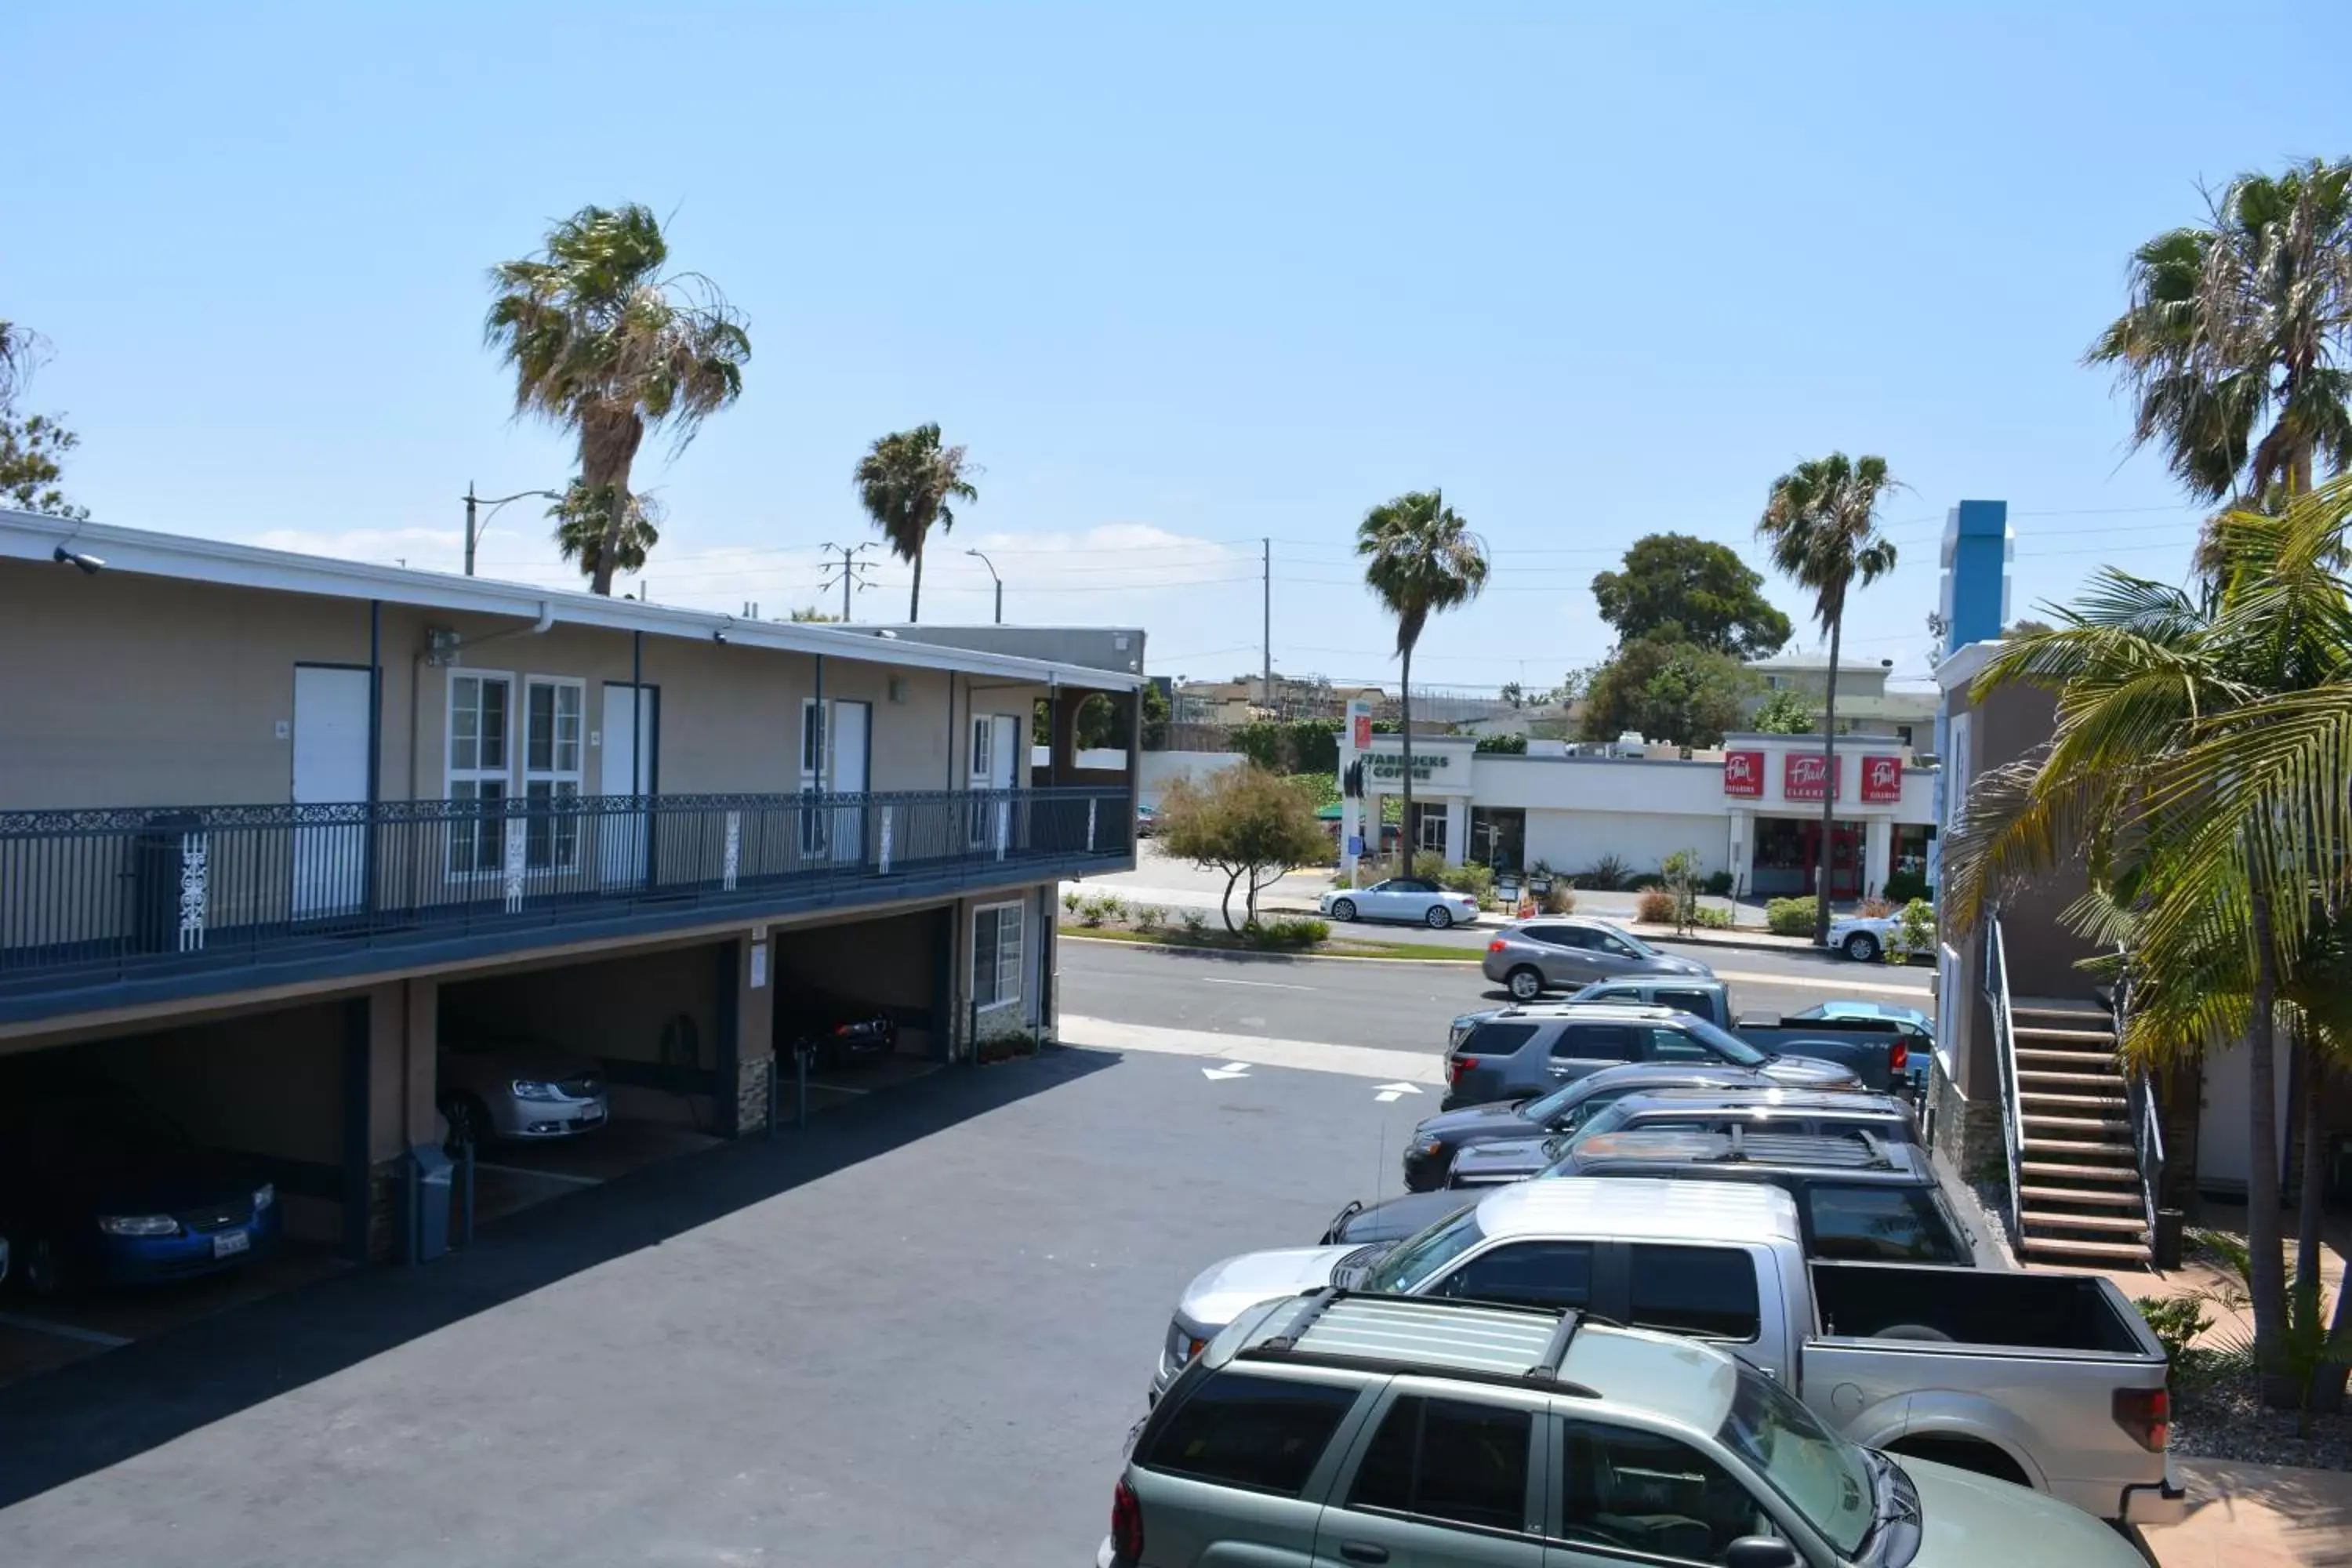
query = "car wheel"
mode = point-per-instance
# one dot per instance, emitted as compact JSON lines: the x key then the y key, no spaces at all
{"x":1438,"y":917}
{"x":37,"y":1266}
{"x":469,"y":1122}
{"x":1526,"y":983}
{"x":1343,"y":909}
{"x":1862,"y":947}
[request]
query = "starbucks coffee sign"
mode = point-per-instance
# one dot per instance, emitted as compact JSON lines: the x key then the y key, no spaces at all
{"x":1391,"y":765}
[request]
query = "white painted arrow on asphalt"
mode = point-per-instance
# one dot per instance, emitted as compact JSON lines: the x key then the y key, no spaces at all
{"x":1389,"y":1092}
{"x":1231,"y":1070}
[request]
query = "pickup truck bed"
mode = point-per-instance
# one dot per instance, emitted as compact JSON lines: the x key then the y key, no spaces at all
{"x":2056,"y":1372}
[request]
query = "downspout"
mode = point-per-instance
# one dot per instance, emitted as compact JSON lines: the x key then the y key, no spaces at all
{"x":546,"y":617}
{"x":374,"y":750}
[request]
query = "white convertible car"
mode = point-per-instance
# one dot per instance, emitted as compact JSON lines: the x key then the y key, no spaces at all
{"x":1402,"y":899}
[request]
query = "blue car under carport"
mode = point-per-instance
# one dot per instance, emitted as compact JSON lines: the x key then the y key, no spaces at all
{"x":100,"y":1188}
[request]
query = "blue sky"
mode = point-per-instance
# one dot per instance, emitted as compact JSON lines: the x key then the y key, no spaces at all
{"x":1181,"y":278}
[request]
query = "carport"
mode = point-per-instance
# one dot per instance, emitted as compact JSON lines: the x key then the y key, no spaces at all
{"x":279,"y":1098}
{"x":652,"y":1023}
{"x":896,"y":966}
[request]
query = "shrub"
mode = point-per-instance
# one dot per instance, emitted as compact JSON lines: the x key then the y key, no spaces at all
{"x":1656,"y":908}
{"x":2176,"y":1321}
{"x":1790,"y":916}
{"x":1561,"y":900}
{"x":1195,"y":921}
{"x":1149,"y":917}
{"x":1072,"y":899}
{"x":1718,"y":883}
{"x":1606,"y":875}
{"x":1902,"y":887}
{"x":1709,"y":918}
{"x":1114,"y":907}
{"x":1286,"y":932}
{"x":1915,"y":933}
{"x":1094,"y":912}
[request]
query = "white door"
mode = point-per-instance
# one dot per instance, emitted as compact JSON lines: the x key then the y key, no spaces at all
{"x":330,"y":752}
{"x":628,"y":735}
{"x":995,"y":737}
{"x":851,"y":722}
{"x":2225,"y":1133}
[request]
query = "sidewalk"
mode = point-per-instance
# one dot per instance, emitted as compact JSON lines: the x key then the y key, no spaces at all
{"x":2257,"y":1516}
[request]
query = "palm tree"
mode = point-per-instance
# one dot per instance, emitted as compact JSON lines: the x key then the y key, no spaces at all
{"x":604,"y":344}
{"x":907,"y":482}
{"x":1822,"y":521}
{"x":2234,"y":340}
{"x":1420,"y":558}
{"x":2201,"y":764}
{"x":581,"y":531}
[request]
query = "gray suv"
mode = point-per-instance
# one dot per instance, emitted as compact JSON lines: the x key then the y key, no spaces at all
{"x":1559,"y":953}
{"x":1336,"y":1428}
{"x":1533,"y":1051}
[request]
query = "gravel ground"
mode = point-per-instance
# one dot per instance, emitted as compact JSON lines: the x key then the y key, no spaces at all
{"x":2228,"y":1421}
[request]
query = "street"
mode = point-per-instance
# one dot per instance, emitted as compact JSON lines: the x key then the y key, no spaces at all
{"x":1401,"y":1004}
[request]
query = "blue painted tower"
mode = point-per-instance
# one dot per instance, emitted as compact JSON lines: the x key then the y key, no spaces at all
{"x":1973,"y":600}
{"x":1973,"y":597}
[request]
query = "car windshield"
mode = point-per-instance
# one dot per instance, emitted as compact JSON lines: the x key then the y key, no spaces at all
{"x":1726,"y":1044}
{"x":1418,"y":1259}
{"x":1818,"y":1473}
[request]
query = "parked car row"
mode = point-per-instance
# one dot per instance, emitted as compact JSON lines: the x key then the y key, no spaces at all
{"x":1790,"y":1353}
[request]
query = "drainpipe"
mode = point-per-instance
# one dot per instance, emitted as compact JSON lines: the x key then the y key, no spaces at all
{"x":375,"y":751}
{"x":546,"y":616}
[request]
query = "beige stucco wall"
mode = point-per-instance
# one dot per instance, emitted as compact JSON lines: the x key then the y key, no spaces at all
{"x":136,"y":690}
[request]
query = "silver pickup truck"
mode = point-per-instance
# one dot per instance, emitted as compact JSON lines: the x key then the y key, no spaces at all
{"x":2049,"y":1380}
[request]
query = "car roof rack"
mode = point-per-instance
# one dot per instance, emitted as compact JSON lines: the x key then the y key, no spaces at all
{"x":1853,"y":1150}
{"x":1482,"y":1340}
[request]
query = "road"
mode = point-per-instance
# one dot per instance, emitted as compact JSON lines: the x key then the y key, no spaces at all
{"x":1396,"y":1005}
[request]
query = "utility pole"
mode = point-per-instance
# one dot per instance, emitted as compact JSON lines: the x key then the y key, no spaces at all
{"x":472,"y":533}
{"x":851,"y":568}
{"x":1266,"y":576}
{"x":469,"y":528}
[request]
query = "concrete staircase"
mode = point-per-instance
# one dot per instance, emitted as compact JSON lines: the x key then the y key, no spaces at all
{"x":2078,"y":1185}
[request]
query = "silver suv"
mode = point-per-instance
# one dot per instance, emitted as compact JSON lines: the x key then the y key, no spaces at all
{"x":1557,"y":952}
{"x":1334,"y":1428}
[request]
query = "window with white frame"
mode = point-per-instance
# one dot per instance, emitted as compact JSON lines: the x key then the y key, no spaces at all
{"x":984,"y":732}
{"x":812,"y":746}
{"x":479,"y":766}
{"x":996,"y":955}
{"x":551,"y":768}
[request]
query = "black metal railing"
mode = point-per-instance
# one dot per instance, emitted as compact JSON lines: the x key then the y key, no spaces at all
{"x":86,"y":896}
{"x":2146,"y":1114}
{"x":2004,"y":1042}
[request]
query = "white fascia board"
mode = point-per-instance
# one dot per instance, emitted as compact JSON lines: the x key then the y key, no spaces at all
{"x":26,"y":536}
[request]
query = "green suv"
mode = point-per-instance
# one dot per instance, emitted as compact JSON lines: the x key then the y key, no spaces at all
{"x":1331,"y":1429}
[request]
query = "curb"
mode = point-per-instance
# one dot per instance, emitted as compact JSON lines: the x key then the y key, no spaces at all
{"x":1753,"y":941}
{"x":1243,"y":952}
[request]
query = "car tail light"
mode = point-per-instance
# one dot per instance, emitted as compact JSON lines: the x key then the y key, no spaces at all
{"x":1455,"y":1066}
{"x":1901,"y":1057}
{"x":2147,"y":1415}
{"x":1495,"y":945}
{"x":1126,"y":1524}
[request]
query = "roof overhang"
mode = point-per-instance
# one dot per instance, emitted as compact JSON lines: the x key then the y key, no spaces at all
{"x":26,"y":536}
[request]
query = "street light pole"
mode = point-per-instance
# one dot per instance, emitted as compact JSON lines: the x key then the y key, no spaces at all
{"x":984,"y":561}
{"x":473,"y":533}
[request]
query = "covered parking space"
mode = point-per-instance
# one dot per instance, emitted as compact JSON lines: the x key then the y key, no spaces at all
{"x":873,"y":998}
{"x":150,"y":1177}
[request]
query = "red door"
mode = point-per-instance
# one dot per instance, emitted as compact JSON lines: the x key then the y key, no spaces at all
{"x":1845,"y":859}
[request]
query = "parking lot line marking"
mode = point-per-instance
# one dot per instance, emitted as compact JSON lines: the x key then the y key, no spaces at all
{"x":564,"y":1176}
{"x":1260,"y":985}
{"x":62,"y":1331}
{"x":1255,"y":1050}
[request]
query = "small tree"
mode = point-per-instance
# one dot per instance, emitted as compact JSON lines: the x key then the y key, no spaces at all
{"x":1680,"y":870}
{"x":1243,"y":821}
{"x":1784,"y":713}
{"x":1914,"y":932}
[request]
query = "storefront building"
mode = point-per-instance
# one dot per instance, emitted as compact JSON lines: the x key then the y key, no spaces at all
{"x":1751,"y":809}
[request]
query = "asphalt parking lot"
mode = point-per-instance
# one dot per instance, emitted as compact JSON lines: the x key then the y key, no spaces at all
{"x":918,"y":1333}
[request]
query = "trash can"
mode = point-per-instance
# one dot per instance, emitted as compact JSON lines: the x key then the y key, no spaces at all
{"x":159,"y":870}
{"x":2167,"y":1240}
{"x":426,"y":1187}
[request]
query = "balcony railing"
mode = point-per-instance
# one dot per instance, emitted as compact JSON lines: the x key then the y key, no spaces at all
{"x":92,"y":898}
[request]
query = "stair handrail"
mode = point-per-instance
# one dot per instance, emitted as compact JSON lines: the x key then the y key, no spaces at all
{"x":2147,"y":1122}
{"x":2004,"y":1041}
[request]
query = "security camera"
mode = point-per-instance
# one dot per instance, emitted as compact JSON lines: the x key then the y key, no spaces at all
{"x":720,"y":636}
{"x":90,"y":564}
